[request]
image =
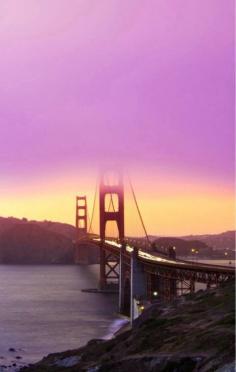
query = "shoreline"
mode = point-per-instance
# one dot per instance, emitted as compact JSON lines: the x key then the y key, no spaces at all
{"x":154,"y":340}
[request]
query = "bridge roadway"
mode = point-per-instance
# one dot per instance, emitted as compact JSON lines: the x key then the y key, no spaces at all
{"x":174,"y":269}
{"x":141,"y":274}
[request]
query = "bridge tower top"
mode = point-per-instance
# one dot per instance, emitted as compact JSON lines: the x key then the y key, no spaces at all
{"x":81,"y":216}
{"x":114,"y":190}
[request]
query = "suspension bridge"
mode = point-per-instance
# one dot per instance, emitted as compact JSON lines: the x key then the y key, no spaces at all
{"x":130,"y":263}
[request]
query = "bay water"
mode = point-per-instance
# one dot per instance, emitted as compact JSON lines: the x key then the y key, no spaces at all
{"x":43,"y":310}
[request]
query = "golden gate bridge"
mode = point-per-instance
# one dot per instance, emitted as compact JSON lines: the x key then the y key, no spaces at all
{"x":140,"y":273}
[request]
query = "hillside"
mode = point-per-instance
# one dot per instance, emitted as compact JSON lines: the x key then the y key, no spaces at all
{"x":183,"y":247}
{"x":28,"y":243}
{"x":206,"y":245}
{"x":195,"y":333}
{"x":217,"y":241}
{"x":61,"y":228}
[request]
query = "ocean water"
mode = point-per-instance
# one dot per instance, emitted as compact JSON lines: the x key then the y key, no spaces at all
{"x":42,"y":310}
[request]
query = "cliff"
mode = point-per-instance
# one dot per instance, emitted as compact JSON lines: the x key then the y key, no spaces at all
{"x":195,"y":333}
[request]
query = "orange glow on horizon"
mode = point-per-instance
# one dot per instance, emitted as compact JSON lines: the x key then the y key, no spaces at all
{"x":180,"y":210}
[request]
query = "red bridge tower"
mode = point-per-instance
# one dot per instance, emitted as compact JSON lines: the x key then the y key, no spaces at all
{"x":108,"y":262}
{"x":81,"y":250}
{"x":81,"y":216}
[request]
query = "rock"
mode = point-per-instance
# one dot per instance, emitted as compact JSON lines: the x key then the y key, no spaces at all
{"x":95,"y":341}
{"x":230,"y":367}
{"x":67,"y":362}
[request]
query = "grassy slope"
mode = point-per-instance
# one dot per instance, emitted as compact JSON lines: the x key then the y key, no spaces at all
{"x":194,"y":333}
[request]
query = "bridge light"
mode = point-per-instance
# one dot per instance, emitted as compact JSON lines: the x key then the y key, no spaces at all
{"x":193,"y":250}
{"x":142,"y":308}
{"x":155,"y":293}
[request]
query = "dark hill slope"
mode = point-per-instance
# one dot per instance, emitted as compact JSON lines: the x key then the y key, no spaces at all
{"x":61,"y":228}
{"x":217,"y":241}
{"x":183,"y":247}
{"x":65,"y":229}
{"x":28,"y":243}
{"x":8,"y":223}
{"x":196,"y":333}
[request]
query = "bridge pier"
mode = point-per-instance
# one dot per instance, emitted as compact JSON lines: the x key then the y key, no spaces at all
{"x":138,"y":284}
{"x":122,"y":281}
{"x":102,"y":280}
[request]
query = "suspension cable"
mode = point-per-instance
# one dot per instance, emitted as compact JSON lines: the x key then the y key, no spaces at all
{"x":90,"y":224}
{"x":139,"y":212}
{"x":112,"y":203}
{"x":93,"y":209}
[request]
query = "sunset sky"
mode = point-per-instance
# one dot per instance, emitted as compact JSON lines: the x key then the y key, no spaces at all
{"x":145,"y":84}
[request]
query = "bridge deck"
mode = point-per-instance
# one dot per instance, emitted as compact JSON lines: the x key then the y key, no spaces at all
{"x":152,"y":259}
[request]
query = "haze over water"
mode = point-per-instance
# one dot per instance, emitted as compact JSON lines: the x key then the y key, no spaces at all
{"x":42,"y":310}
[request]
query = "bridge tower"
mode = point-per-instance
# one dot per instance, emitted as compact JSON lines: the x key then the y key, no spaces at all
{"x":81,"y":216}
{"x":81,"y":254}
{"x":108,"y":262}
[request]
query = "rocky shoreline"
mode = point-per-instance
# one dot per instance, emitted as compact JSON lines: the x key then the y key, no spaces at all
{"x":194,"y":333}
{"x":13,"y":361}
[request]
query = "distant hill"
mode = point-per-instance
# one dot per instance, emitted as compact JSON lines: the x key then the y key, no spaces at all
{"x":183,"y":247}
{"x":216,"y":241}
{"x":221,"y":242}
{"x":23,"y":241}
{"x":7,"y":223}
{"x":62,"y":228}
{"x":28,"y":243}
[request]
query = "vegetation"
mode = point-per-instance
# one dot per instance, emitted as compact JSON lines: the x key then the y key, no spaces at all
{"x":196,"y":332}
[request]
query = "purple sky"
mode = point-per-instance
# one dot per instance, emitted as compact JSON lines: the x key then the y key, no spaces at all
{"x":147,"y":82}
{"x":144,"y":81}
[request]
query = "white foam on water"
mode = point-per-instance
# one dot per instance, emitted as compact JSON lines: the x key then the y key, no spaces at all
{"x":114,"y":327}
